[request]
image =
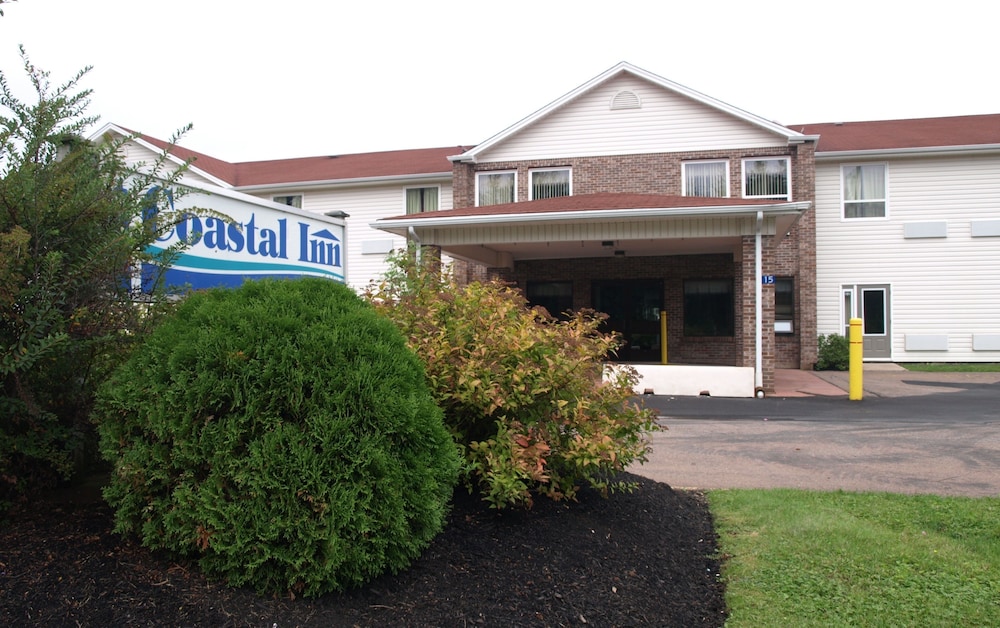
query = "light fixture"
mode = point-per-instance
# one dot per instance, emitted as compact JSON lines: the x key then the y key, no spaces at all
{"x":607,"y":243}
{"x":337,"y":213}
{"x":620,"y":253}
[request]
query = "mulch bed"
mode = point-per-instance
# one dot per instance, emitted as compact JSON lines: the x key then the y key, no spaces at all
{"x":640,"y":559}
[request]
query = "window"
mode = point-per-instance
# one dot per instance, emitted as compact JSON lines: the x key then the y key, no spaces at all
{"x":292,"y":200}
{"x":705,"y":178}
{"x":766,"y":178}
{"x":555,"y":296}
{"x":864,"y":191}
{"x":420,"y":200}
{"x":495,"y":188}
{"x":708,"y":307}
{"x":550,"y":183}
{"x":784,"y":305}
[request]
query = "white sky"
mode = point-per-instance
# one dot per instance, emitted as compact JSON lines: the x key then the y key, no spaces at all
{"x":296,"y":78}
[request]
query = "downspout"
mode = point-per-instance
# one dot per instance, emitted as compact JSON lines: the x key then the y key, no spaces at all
{"x":758,"y":378}
{"x":413,"y":236}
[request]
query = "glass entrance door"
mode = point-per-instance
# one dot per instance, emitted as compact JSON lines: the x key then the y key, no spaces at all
{"x":633,"y":309}
{"x":870,"y":303}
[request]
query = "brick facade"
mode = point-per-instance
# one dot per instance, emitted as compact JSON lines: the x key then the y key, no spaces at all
{"x":785,"y":255}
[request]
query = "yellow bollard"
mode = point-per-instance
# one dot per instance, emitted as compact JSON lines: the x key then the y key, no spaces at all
{"x":663,"y":336}
{"x":856,"y":363}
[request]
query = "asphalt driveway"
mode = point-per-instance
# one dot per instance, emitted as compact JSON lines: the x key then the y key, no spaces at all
{"x":912,"y":433}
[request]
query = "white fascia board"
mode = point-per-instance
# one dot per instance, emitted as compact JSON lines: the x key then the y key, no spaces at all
{"x":391,"y":224}
{"x":472,"y":154}
{"x":137,"y":138}
{"x":877,"y":153}
{"x":438,"y":177}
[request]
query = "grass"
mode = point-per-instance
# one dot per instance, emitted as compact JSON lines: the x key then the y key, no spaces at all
{"x":952,"y":367}
{"x":804,"y":558}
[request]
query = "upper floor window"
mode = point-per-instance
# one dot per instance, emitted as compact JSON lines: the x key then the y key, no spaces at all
{"x":705,"y":178}
{"x":864,"y":191}
{"x":420,"y":200}
{"x":766,"y":178}
{"x":496,"y":188}
{"x":551,"y":182}
{"x":292,"y":200}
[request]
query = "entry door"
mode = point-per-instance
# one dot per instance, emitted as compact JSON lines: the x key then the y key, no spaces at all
{"x":870,"y":303}
{"x":633,"y":309}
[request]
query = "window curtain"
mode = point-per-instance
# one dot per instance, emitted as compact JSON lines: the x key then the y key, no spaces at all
{"x":549,"y":184}
{"x":766,"y":178}
{"x":419,"y":200}
{"x":705,"y":180}
{"x":496,"y":189}
{"x":864,"y":191}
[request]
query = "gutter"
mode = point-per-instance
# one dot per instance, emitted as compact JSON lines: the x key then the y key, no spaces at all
{"x":589,"y":215}
{"x":334,"y":183}
{"x":968,"y":149}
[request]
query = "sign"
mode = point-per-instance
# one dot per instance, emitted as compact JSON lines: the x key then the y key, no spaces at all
{"x":767,"y":280}
{"x":261,"y":239}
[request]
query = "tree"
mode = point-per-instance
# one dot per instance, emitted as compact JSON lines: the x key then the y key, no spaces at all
{"x":71,"y":236}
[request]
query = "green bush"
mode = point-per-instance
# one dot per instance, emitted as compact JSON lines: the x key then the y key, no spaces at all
{"x":283,"y":433}
{"x":834,"y":353}
{"x":522,"y":392}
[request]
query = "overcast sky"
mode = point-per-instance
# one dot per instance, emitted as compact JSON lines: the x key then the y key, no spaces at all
{"x":296,"y":78}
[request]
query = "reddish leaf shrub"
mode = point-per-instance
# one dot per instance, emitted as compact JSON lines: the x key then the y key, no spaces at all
{"x":523,"y":393}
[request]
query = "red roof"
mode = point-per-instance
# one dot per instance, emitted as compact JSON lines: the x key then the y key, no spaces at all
{"x":327,"y":168}
{"x":897,"y":134}
{"x":592,"y":202}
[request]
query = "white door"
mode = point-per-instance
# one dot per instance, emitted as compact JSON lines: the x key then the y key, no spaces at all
{"x":870,"y":303}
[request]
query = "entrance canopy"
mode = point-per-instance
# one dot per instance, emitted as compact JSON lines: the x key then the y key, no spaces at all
{"x":595,"y":225}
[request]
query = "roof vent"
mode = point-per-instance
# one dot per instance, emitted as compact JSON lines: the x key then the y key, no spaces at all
{"x":625,"y":99}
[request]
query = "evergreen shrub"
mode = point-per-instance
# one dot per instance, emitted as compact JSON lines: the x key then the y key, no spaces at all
{"x":523,"y":392}
{"x":834,"y":353}
{"x":283,"y":434}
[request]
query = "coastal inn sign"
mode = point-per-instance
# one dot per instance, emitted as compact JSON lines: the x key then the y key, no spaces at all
{"x":259,"y":239}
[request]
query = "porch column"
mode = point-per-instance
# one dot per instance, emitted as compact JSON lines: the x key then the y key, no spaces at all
{"x":748,"y":312}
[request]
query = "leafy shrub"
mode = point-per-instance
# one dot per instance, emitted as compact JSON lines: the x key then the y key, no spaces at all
{"x":283,"y":433}
{"x":522,"y":392}
{"x":68,"y":242}
{"x":834,"y":353}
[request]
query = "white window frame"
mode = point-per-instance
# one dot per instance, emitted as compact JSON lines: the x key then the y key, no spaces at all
{"x":274,"y":199}
{"x":531,"y":179}
{"x":685,"y":164}
{"x":788,"y":176}
{"x":406,"y":191}
{"x":486,"y":173}
{"x":885,"y":199}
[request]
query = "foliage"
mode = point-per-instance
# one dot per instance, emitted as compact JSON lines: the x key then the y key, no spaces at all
{"x":522,"y":392}
{"x":283,"y":433}
{"x":69,"y":239}
{"x":834,"y":353}
{"x":802,"y":558}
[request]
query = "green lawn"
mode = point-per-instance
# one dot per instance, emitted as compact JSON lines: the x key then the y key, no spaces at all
{"x":804,"y":558}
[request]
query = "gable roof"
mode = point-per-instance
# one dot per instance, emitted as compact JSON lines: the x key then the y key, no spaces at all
{"x":912,"y":135}
{"x":304,"y":171}
{"x":473,"y":153}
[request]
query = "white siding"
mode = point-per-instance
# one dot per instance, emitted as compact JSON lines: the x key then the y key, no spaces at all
{"x":666,"y":122}
{"x":364,"y":205}
{"x":939,"y":285}
{"x":137,"y":154}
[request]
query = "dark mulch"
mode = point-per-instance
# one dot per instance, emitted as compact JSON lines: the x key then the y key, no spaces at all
{"x":640,"y":559}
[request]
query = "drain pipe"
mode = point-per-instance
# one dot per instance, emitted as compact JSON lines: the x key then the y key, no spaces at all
{"x":415,"y":238}
{"x":758,"y":378}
